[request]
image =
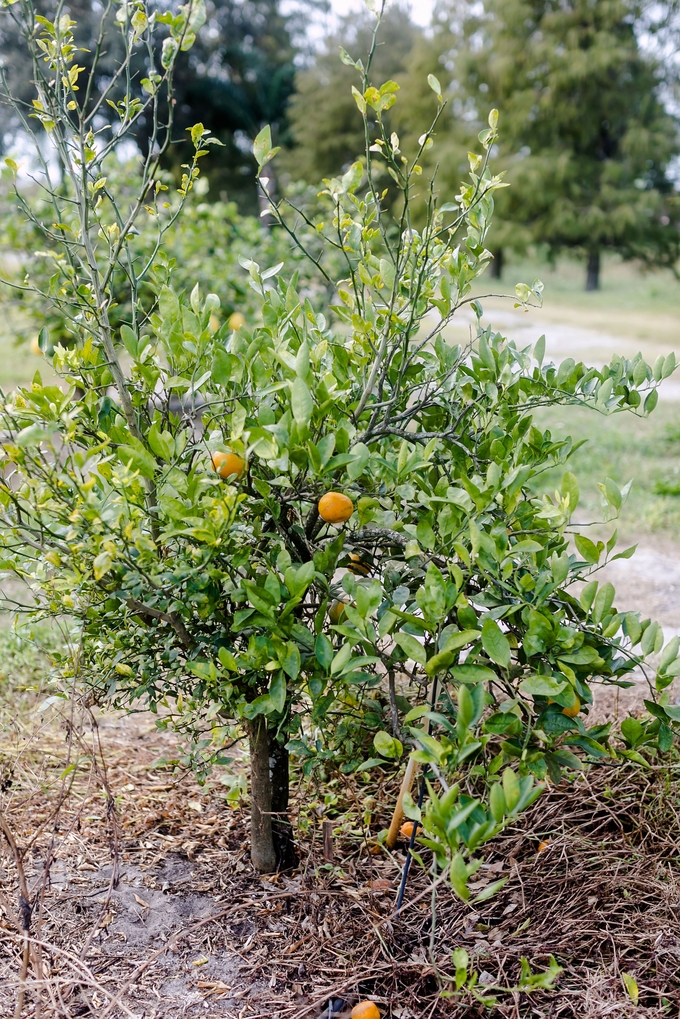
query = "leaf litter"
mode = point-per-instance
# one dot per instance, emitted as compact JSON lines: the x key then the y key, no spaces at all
{"x":188,"y":928}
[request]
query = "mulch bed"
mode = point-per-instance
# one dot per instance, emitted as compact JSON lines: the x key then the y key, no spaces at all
{"x":190,"y":930}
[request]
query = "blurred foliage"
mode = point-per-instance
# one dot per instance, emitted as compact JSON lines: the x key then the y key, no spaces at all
{"x":587,"y":139}
{"x":207,"y":242}
{"x":238,"y":75}
{"x":324,"y":123}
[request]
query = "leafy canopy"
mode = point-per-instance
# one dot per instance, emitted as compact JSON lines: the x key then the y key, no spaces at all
{"x":212,"y":598}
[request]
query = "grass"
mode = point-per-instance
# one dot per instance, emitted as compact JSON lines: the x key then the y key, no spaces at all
{"x":624,"y":287}
{"x":623,"y":447}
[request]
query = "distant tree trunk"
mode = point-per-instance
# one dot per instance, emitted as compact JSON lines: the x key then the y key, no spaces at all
{"x":593,"y":271}
{"x":496,"y":265}
{"x":271,"y":836}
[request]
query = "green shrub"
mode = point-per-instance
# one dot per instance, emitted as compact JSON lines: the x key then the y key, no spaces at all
{"x":211,"y":597}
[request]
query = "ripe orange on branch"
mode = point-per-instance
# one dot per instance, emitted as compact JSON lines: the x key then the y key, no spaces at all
{"x":573,"y":710}
{"x":336,"y":611}
{"x":335,"y":508}
{"x":358,"y":566}
{"x":228,"y":464}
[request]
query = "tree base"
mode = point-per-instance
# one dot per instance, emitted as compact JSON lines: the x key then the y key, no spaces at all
{"x":272,"y":846}
{"x":593,"y":271}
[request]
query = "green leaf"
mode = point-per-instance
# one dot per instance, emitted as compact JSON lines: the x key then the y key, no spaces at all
{"x":373,"y":762}
{"x":301,"y":401}
{"x":387,"y":745}
{"x":433,"y":82}
{"x":277,"y":691}
{"x":262,"y":147}
{"x":632,"y":990}
{"x":587,"y":549}
{"x":323,"y":650}
{"x":458,"y":876}
{"x":101,"y":565}
{"x":495,"y":643}
{"x":491,"y":889}
{"x":461,"y":639}
{"x":137,"y":459}
{"x":130,"y":340}
{"x":497,"y":804}
{"x":411,"y":647}
{"x":297,"y":580}
{"x":570,"y":487}
{"x":541,"y":686}
{"x":473,"y":673}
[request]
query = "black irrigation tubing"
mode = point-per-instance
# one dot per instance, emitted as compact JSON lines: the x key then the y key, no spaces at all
{"x":421,"y":797}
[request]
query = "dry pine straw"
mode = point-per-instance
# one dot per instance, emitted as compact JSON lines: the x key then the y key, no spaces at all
{"x":602,"y":895}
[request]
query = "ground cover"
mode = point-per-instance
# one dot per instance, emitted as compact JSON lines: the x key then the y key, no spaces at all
{"x":190,"y":930}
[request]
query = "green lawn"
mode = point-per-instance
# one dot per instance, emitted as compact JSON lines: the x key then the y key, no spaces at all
{"x":623,"y":447}
{"x":624,"y":287}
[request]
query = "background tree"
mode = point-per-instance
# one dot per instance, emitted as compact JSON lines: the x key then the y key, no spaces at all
{"x":325,"y":126}
{"x":238,"y":75}
{"x":586,"y":138}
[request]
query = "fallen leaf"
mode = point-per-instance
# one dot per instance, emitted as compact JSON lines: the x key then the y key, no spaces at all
{"x":381,"y":885}
{"x":543,"y":845}
{"x":195,"y":805}
{"x":630,"y":983}
{"x":142,"y":903}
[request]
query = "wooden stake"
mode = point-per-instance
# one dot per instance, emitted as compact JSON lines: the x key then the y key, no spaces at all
{"x":328,"y":842}
{"x":398,"y":815}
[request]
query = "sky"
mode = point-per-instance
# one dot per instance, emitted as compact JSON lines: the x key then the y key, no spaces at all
{"x":420,"y":9}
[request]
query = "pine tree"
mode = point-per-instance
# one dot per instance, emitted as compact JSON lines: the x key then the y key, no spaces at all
{"x":582,"y":117}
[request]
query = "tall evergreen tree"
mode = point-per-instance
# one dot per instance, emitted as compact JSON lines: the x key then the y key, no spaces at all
{"x":588,"y":141}
{"x":325,"y":124}
{"x":238,"y":76}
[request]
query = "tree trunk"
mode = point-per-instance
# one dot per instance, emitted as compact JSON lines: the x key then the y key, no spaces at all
{"x":593,"y":271}
{"x":496,"y":264}
{"x":282,"y":830}
{"x":271,"y":834}
{"x":261,"y":841}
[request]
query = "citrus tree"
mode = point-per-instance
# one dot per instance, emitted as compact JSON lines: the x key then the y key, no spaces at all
{"x":320,"y":531}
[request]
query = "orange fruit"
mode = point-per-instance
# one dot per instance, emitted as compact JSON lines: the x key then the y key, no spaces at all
{"x":335,"y":508}
{"x":228,"y":465}
{"x":35,"y":346}
{"x":236,"y":321}
{"x":336,"y":611}
{"x":358,"y":566}
{"x":407,"y":829}
{"x":572,"y":711}
{"x":365,"y":1010}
